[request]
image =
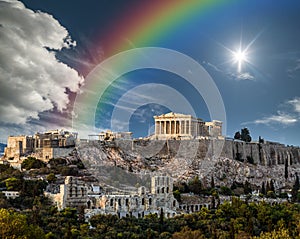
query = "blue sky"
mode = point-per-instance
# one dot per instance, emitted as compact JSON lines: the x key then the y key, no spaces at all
{"x":41,"y":70}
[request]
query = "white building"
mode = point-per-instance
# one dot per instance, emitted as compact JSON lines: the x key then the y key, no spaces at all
{"x":75,"y":193}
{"x":109,"y":135}
{"x":180,"y":126}
{"x":11,"y":194}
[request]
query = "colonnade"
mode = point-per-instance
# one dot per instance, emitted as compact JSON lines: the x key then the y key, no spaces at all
{"x":173,"y":127}
{"x":179,"y":127}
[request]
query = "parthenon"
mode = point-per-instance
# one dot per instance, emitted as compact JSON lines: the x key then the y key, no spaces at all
{"x":174,"y":125}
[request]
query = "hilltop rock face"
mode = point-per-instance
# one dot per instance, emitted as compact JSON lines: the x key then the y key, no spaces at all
{"x":228,"y":161}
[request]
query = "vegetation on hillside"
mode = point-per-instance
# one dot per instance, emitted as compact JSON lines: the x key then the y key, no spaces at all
{"x":244,"y":135}
{"x":32,"y":216}
{"x":234,"y":219}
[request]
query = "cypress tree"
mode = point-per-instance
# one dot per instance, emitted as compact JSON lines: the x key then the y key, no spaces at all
{"x":286,"y":172}
{"x":272,"y":187}
{"x":263,"y":188}
{"x":268,"y":187}
{"x":295,"y":189}
{"x":212,"y":182}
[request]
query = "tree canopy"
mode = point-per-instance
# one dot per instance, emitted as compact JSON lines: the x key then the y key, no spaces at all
{"x":244,"y":135}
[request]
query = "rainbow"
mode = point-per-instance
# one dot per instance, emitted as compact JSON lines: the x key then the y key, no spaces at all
{"x":144,"y":25}
{"x":151,"y":21}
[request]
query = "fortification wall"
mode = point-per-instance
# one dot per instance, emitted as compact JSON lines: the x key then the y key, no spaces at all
{"x":263,"y":154}
{"x":266,"y":154}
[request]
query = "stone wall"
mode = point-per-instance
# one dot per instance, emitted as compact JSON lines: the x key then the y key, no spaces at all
{"x":45,"y":154}
{"x":266,"y":154}
{"x":18,"y":146}
{"x":237,"y":161}
{"x":262,"y":154}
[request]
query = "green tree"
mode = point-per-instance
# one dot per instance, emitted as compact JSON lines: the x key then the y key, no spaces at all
{"x":212,"y":182}
{"x":261,"y":140}
{"x":14,"y":225}
{"x":263,"y":188}
{"x":286,"y":171}
{"x":195,"y":185}
{"x":281,"y":233}
{"x":4,"y":167}
{"x":247,"y":187}
{"x":245,"y":135}
{"x":272,"y":187}
{"x":237,"y":135}
{"x":3,"y":201}
{"x":187,"y":233}
{"x":51,"y":178}
{"x":268,"y":188}
{"x":33,"y":188}
{"x":226,"y":191}
{"x":177,"y":195}
{"x":13,"y":184}
{"x":31,"y":163}
{"x":295,"y":189}
{"x":68,"y":171}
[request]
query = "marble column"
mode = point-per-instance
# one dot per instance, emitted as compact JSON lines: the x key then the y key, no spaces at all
{"x":160,"y":127}
{"x":180,"y":127}
{"x":183,"y":127}
{"x":186,"y":127}
{"x":157,"y":129}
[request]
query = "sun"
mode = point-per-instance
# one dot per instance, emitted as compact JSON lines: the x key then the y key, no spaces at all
{"x":239,"y":57}
{"x":242,"y":54}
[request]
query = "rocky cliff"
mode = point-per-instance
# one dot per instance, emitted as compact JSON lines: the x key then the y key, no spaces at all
{"x":130,"y":162}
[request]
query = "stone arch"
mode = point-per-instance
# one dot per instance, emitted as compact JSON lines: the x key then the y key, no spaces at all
{"x":142,"y":190}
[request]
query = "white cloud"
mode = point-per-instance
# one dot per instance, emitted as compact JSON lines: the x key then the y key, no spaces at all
{"x":244,"y":76}
{"x":287,"y":118}
{"x":235,"y":76}
{"x":279,"y":118}
{"x":32,"y":80}
{"x":295,"y":103}
{"x":212,"y":66}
